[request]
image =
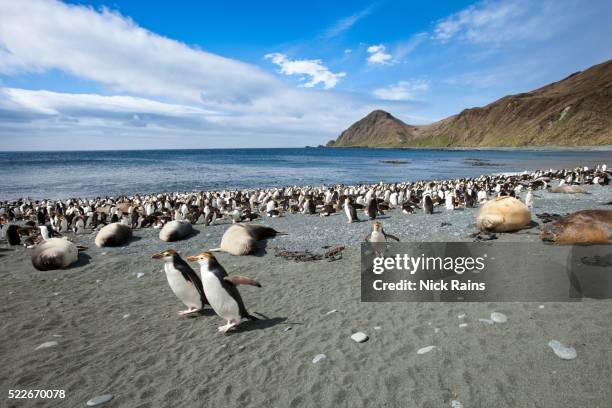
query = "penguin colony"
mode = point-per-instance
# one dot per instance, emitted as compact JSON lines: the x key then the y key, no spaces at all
{"x":504,"y":201}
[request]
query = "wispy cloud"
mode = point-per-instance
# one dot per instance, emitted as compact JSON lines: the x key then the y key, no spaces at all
{"x":312,"y":72}
{"x":378,"y":55}
{"x":404,"y":48}
{"x":402,"y":91}
{"x":346,"y":23}
{"x":504,"y":20}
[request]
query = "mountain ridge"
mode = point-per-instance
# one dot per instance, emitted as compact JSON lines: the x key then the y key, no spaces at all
{"x":574,"y":111}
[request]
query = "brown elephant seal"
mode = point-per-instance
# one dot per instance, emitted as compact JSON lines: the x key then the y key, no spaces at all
{"x":241,"y":239}
{"x":503,"y":214}
{"x":567,"y":189}
{"x":581,"y":227}
{"x":175,"y":231}
{"x":115,"y":234}
{"x":54,"y":253}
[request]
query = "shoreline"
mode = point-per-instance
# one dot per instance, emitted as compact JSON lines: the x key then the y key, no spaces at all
{"x":280,"y":187}
{"x":594,"y":148}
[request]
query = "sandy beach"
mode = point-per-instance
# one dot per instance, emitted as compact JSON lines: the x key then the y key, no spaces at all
{"x":115,"y":322}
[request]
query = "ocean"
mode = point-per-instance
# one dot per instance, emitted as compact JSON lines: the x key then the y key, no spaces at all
{"x":100,"y":173}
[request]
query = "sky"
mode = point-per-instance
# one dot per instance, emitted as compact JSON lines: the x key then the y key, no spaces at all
{"x":117,"y":74}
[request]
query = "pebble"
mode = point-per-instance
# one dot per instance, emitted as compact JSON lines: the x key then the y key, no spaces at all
{"x":436,"y":329}
{"x":99,"y":400}
{"x":125,"y":316}
{"x":57,"y":335}
{"x":499,"y":317}
{"x":463,"y":325}
{"x":139,"y":275}
{"x":425,"y":349}
{"x":377,"y":328}
{"x":47,"y":344}
{"x":565,"y":353}
{"x":541,"y":307}
{"x":98,"y":280}
{"x":486,"y":321}
{"x":330,"y":312}
{"x":461,"y":316}
{"x":318,"y":358}
{"x":456,"y":404}
{"x":240,"y":348}
{"x":359,"y":337}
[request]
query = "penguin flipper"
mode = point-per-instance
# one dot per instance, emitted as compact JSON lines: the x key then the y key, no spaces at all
{"x":241,"y":280}
{"x":393,"y":237}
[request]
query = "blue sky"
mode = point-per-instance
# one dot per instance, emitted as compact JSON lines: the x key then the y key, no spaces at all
{"x":195,"y":74}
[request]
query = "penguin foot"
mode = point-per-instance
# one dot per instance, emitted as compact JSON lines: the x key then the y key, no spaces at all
{"x":187,"y":311}
{"x":230,"y":325}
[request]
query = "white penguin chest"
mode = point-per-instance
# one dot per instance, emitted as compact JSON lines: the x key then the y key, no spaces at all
{"x":377,"y":236}
{"x":220,"y":300}
{"x":183,"y":289}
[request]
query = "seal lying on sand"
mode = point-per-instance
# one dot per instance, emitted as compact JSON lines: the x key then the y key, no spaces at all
{"x":503,"y":214}
{"x":175,"y":231}
{"x":567,"y":189}
{"x":115,"y":234}
{"x":241,"y":239}
{"x":581,"y":227}
{"x":54,"y":253}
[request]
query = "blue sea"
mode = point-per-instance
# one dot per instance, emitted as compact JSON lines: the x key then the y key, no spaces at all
{"x":99,"y":173}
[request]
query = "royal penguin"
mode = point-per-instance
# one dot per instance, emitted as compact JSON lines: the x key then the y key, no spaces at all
{"x":183,"y":280}
{"x":378,"y":234}
{"x":349,"y":210}
{"x":221,"y":291}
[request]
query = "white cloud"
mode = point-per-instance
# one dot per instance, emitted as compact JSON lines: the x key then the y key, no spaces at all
{"x":378,"y":55}
{"x":157,"y":92}
{"x":312,"y":72}
{"x":402,"y":91}
{"x":37,"y":35}
{"x":504,"y":20}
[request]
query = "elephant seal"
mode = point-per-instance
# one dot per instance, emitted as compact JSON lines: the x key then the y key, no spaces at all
{"x":241,"y":239}
{"x":503,"y":214}
{"x":175,"y":231}
{"x":581,"y":227}
{"x":115,"y":234}
{"x":54,"y":253}
{"x":567,"y":189}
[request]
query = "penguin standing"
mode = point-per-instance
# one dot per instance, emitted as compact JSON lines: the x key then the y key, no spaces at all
{"x":184,"y":281}
{"x":350,"y":211}
{"x":379,"y":235}
{"x":372,"y":208}
{"x":427,"y":204}
{"x":221,"y":290}
{"x":529,"y":198}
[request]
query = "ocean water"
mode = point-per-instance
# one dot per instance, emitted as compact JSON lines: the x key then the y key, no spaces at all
{"x":99,"y":173}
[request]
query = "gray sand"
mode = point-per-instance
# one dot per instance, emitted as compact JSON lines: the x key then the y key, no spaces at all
{"x":154,"y":358}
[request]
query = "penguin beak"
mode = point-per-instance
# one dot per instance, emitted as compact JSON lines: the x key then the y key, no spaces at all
{"x":192,"y":258}
{"x":158,"y":255}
